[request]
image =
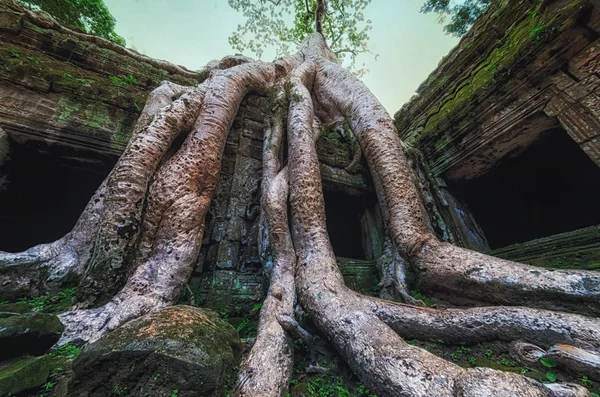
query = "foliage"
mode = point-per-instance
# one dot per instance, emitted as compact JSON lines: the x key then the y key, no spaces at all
{"x":47,"y":387}
{"x":419,"y":296}
{"x":268,"y":23}
{"x":67,"y":350}
{"x":51,"y":304}
{"x":548,"y":362}
{"x":462,"y":14}
{"x":124,"y":80}
{"x":551,"y":376}
{"x":90,"y":16}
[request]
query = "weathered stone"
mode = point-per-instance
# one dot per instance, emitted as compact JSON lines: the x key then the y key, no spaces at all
{"x":179,"y":348}
{"x":24,"y":374}
{"x":524,"y":70}
{"x":58,"y":89}
{"x":3,"y":146}
{"x":29,"y":333}
{"x":19,"y":307}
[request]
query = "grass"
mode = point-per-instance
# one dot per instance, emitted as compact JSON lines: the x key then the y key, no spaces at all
{"x":51,"y":303}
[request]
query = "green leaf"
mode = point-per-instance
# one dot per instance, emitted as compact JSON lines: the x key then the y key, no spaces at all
{"x":548,"y":362}
{"x":551,"y":376}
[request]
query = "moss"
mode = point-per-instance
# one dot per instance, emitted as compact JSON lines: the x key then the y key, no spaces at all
{"x":25,"y":374}
{"x":522,"y":39}
{"x":67,"y":108}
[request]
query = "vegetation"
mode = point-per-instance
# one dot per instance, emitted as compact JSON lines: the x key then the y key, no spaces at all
{"x":67,"y":350}
{"x":90,"y":16}
{"x":51,"y":303}
{"x":268,"y":25}
{"x":461,"y":14}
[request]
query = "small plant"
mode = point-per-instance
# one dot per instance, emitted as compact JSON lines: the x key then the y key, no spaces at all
{"x":67,"y":350}
{"x":419,"y":296}
{"x":587,"y":382}
{"x":242,"y":325}
{"x":506,"y":362}
{"x":472,"y":361}
{"x":123,"y":80}
{"x":548,"y":362}
{"x":13,"y":54}
{"x":459,"y":352}
{"x":47,"y":387}
{"x":551,"y":376}
{"x":130,"y":80}
{"x":489,"y":354}
{"x":175,"y":393}
{"x":51,"y":304}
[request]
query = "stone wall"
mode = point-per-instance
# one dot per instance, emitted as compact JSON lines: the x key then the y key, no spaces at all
{"x":525,"y":68}
{"x":76,"y":102}
{"x":57,"y":90}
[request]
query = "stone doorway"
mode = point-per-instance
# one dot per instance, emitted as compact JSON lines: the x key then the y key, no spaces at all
{"x":44,"y":191}
{"x":547,"y":188}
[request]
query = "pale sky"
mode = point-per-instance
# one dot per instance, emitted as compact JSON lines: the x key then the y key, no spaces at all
{"x":193,"y":32}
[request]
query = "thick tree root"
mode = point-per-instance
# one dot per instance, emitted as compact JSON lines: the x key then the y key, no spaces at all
{"x":267,"y":369}
{"x":48,"y":267}
{"x":172,"y":111}
{"x":484,"y":324}
{"x":445,"y":267}
{"x":573,"y":359}
{"x":376,"y":353}
{"x":453,"y":270}
{"x":178,"y":201}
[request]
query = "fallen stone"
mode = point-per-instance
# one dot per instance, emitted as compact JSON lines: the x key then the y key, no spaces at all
{"x":181,"y":348}
{"x":25,"y":374}
{"x":29,"y":333}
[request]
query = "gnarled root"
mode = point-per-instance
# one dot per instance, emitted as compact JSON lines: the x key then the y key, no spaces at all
{"x":485,"y":324}
{"x":453,"y":270}
{"x":374,"y":351}
{"x":178,"y":200}
{"x":573,"y":359}
{"x":267,"y":369}
{"x":48,"y":267}
{"x":445,"y":267}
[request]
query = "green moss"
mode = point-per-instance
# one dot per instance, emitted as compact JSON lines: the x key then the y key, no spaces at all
{"x":25,"y":374}
{"x":521,"y":39}
{"x":67,"y":108}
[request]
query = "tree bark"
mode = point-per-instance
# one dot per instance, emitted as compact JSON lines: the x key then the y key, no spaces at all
{"x":147,"y":221}
{"x":267,"y":369}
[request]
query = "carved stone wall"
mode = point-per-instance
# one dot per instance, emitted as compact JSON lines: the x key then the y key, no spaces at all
{"x":525,"y":68}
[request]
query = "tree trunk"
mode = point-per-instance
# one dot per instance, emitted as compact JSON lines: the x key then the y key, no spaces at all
{"x":146,"y":221}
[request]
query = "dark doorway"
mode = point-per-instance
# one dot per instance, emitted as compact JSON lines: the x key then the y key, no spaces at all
{"x":551,"y":187}
{"x":44,"y":196}
{"x":343,"y":212}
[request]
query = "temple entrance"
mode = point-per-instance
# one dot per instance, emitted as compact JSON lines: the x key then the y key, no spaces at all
{"x":354,"y":225}
{"x":42,"y":194}
{"x":550,"y":187}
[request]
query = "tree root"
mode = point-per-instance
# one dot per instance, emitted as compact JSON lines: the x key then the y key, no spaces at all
{"x":164,"y":200}
{"x":485,"y":324}
{"x":267,"y":369}
{"x":575,"y":360}
{"x":446,"y":268}
{"x":376,"y":353}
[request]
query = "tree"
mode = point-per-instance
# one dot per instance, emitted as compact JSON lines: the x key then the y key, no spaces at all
{"x":462,"y":15}
{"x":90,"y":16}
{"x":268,"y":24}
{"x":136,"y":242}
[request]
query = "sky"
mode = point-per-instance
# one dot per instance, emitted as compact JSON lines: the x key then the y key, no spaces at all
{"x":193,"y":32}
